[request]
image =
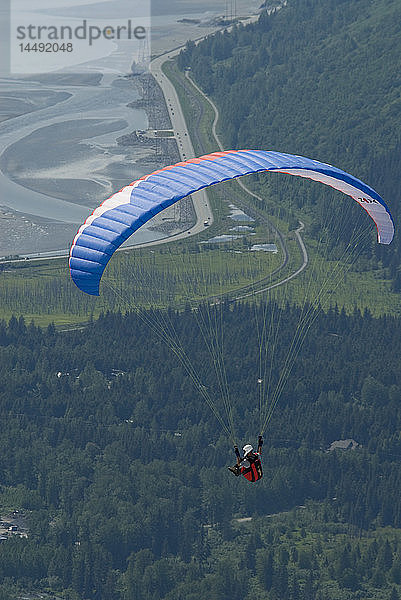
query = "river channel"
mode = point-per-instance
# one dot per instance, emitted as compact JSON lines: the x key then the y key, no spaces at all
{"x":60,"y":155}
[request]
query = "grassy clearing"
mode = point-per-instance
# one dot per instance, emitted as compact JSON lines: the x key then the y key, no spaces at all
{"x":175,"y":277}
{"x":198,"y":112}
{"x":173,"y":274}
{"x":344,"y":283}
{"x":169,"y":275}
{"x":351,"y":288}
{"x":189,"y":271}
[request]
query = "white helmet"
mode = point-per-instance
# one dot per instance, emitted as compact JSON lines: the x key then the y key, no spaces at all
{"x":247,"y":449}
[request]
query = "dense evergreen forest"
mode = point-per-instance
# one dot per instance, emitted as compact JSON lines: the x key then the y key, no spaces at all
{"x":318,"y":78}
{"x":122,"y":475}
{"x":111,"y":462}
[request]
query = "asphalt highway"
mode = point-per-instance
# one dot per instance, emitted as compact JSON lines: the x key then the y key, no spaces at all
{"x":200,"y":200}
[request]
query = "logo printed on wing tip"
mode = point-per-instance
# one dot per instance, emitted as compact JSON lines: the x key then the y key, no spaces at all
{"x":367,"y":201}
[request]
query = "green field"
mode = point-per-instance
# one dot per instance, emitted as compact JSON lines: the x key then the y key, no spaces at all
{"x":177,"y":273}
{"x":170,"y":275}
{"x":190,"y":272}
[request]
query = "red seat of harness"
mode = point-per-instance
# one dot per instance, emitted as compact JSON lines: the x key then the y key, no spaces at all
{"x":254,"y":471}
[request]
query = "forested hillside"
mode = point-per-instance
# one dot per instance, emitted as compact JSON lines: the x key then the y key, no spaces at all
{"x":120,"y":470}
{"x":319,"y":78}
{"x":111,"y":462}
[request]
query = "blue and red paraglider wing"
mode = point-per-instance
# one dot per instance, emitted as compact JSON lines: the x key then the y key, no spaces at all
{"x":118,"y":217}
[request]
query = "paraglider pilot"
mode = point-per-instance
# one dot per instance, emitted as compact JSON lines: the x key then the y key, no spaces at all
{"x":249,"y":465}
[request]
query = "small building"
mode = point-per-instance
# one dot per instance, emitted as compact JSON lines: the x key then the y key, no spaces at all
{"x":343,"y":445}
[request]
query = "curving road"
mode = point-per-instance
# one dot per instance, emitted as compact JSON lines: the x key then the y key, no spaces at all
{"x":300,"y":241}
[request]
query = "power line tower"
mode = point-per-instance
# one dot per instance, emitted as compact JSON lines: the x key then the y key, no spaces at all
{"x":231,"y":10}
{"x":141,"y":59}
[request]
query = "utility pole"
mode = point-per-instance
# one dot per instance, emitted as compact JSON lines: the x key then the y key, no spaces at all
{"x":231,"y":10}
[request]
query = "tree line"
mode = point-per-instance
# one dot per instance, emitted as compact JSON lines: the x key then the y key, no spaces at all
{"x":314,"y":79}
{"x":121,"y":468}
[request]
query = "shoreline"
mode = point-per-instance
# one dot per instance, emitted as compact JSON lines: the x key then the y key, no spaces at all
{"x":155,"y":153}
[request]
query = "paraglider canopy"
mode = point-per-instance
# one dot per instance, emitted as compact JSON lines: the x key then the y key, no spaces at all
{"x":118,"y":217}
